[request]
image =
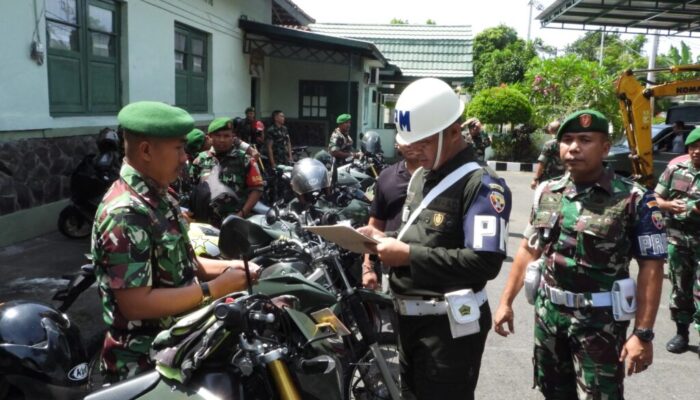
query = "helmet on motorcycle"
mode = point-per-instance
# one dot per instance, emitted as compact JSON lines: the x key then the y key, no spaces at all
{"x":309,"y":176}
{"x":371,"y":143}
{"x":204,"y":239}
{"x":425,"y":108}
{"x":324,"y":157}
{"x":107,"y":140}
{"x":38,"y":341}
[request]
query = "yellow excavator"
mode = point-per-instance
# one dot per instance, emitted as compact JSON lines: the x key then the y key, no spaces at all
{"x":636,"y":105}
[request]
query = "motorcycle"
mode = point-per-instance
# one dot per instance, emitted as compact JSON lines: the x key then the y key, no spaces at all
{"x":89,"y":182}
{"x":302,"y":265}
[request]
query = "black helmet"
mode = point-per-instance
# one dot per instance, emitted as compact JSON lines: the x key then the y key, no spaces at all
{"x":309,"y":176}
{"x":371,"y":143}
{"x":39,"y":342}
{"x":324,"y":157}
{"x":107,"y":140}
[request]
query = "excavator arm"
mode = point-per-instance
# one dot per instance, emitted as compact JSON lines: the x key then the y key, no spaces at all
{"x":636,"y":107}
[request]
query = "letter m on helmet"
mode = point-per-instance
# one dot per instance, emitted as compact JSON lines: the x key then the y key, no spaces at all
{"x":403,"y":120}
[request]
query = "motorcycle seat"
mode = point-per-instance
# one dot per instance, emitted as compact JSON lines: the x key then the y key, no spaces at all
{"x":129,"y":389}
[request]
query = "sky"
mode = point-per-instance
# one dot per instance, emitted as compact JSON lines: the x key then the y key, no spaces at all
{"x":480,"y":15}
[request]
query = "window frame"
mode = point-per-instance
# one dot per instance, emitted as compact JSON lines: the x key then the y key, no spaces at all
{"x":86,"y":61}
{"x":188,"y":73}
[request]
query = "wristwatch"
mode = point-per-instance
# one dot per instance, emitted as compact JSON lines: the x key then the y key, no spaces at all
{"x":206,"y":294}
{"x":645,"y":334}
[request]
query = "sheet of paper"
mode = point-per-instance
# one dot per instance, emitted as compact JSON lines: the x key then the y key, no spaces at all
{"x":344,"y":236}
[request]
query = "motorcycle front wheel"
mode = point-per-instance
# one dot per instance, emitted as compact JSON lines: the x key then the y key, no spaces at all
{"x":365,"y":381}
{"x":73,"y":224}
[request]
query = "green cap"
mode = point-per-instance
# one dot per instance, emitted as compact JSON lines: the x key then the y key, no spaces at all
{"x":584,"y":121}
{"x":219,"y":124}
{"x":693,"y":137}
{"x":195,"y":140}
{"x":343,"y":118}
{"x":156,"y":119}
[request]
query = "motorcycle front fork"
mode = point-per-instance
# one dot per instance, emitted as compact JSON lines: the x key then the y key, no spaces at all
{"x":286,"y":388}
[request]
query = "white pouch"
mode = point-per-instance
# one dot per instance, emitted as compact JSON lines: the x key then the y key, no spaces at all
{"x":624,"y":299}
{"x":463,"y":312}
{"x":533,"y":275}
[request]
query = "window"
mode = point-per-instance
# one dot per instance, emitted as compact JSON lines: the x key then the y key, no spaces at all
{"x":314,"y":100}
{"x":190,"y":69}
{"x":83,"y":56}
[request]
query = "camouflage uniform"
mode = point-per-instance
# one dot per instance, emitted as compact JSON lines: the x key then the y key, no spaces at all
{"x":238,"y":171}
{"x":588,"y":235}
{"x":480,"y":143}
{"x":340,"y":142}
{"x":139,"y":239}
{"x":549,"y":157}
{"x":279,"y":137}
{"x":679,"y":181}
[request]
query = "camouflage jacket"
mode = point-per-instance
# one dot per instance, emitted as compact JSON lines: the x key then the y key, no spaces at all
{"x":680,"y":181}
{"x":338,"y":141}
{"x":480,"y":143}
{"x":279,"y":138}
{"x":549,"y":157}
{"x":589,"y":234}
{"x":139,"y":239}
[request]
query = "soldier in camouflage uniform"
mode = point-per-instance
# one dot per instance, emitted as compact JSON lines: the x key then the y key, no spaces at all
{"x":678,"y":192}
{"x":145,"y":266}
{"x":340,"y":143}
{"x":549,"y":164}
{"x":477,"y":137}
{"x":584,"y":229}
{"x":278,"y":144}
{"x":238,"y":171}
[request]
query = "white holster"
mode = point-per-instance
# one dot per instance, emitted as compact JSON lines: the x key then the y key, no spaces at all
{"x":533,"y":276}
{"x":624,"y":299}
{"x":463,"y":311}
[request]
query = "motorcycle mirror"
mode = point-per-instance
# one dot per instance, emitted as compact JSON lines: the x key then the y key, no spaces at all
{"x":233,"y":237}
{"x":271,"y":215}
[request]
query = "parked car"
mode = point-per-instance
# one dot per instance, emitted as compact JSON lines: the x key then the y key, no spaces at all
{"x":661,"y":137}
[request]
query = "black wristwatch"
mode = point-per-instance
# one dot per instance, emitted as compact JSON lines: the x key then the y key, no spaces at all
{"x":206,"y":294}
{"x":645,"y":335}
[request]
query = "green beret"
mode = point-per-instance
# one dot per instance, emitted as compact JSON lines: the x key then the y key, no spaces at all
{"x":195,"y":140}
{"x":153,"y":118}
{"x":219,"y":124}
{"x":343,"y":118}
{"x":584,"y":121}
{"x":693,"y":137}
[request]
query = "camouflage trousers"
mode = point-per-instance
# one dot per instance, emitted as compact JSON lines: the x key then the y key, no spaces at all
{"x":684,"y":272}
{"x":124,"y":357}
{"x":576,"y":352}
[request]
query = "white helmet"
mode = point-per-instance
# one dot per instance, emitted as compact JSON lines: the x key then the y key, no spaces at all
{"x":425,"y":108}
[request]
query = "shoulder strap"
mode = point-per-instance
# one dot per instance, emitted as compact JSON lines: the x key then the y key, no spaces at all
{"x":445,"y":183}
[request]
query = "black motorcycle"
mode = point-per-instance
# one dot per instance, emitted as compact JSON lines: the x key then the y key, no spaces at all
{"x":89,"y":182}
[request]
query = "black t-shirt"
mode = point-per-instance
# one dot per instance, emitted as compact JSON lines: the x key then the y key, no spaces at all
{"x":390,"y":195}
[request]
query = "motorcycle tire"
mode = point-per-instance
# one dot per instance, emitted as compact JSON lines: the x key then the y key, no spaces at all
{"x":364,"y":380}
{"x":73,"y":224}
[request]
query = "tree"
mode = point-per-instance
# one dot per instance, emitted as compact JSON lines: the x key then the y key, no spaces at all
{"x":500,"y":105}
{"x":398,"y":21}
{"x":559,"y":86}
{"x":618,"y":54}
{"x":430,"y":22}
{"x":500,"y":57}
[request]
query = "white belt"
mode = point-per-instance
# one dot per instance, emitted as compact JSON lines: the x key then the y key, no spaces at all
{"x":413,"y":306}
{"x":577,"y":300}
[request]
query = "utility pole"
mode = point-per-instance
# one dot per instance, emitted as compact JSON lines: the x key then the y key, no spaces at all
{"x":602,"y":46}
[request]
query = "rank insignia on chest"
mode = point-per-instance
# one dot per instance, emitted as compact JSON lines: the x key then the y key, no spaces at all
{"x":465,"y":310}
{"x":438,"y":219}
{"x":498,"y":202}
{"x":658,"y":219}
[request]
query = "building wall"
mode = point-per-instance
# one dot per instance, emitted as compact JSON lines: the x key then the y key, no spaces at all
{"x":38,"y":151}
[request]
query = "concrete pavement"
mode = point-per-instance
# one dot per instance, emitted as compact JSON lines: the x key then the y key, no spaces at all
{"x":31,"y":270}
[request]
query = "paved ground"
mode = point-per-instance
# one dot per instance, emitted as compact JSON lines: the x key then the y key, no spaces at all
{"x":32,"y":269}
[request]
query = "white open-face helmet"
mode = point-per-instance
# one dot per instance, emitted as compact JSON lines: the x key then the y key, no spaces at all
{"x":425,"y":107}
